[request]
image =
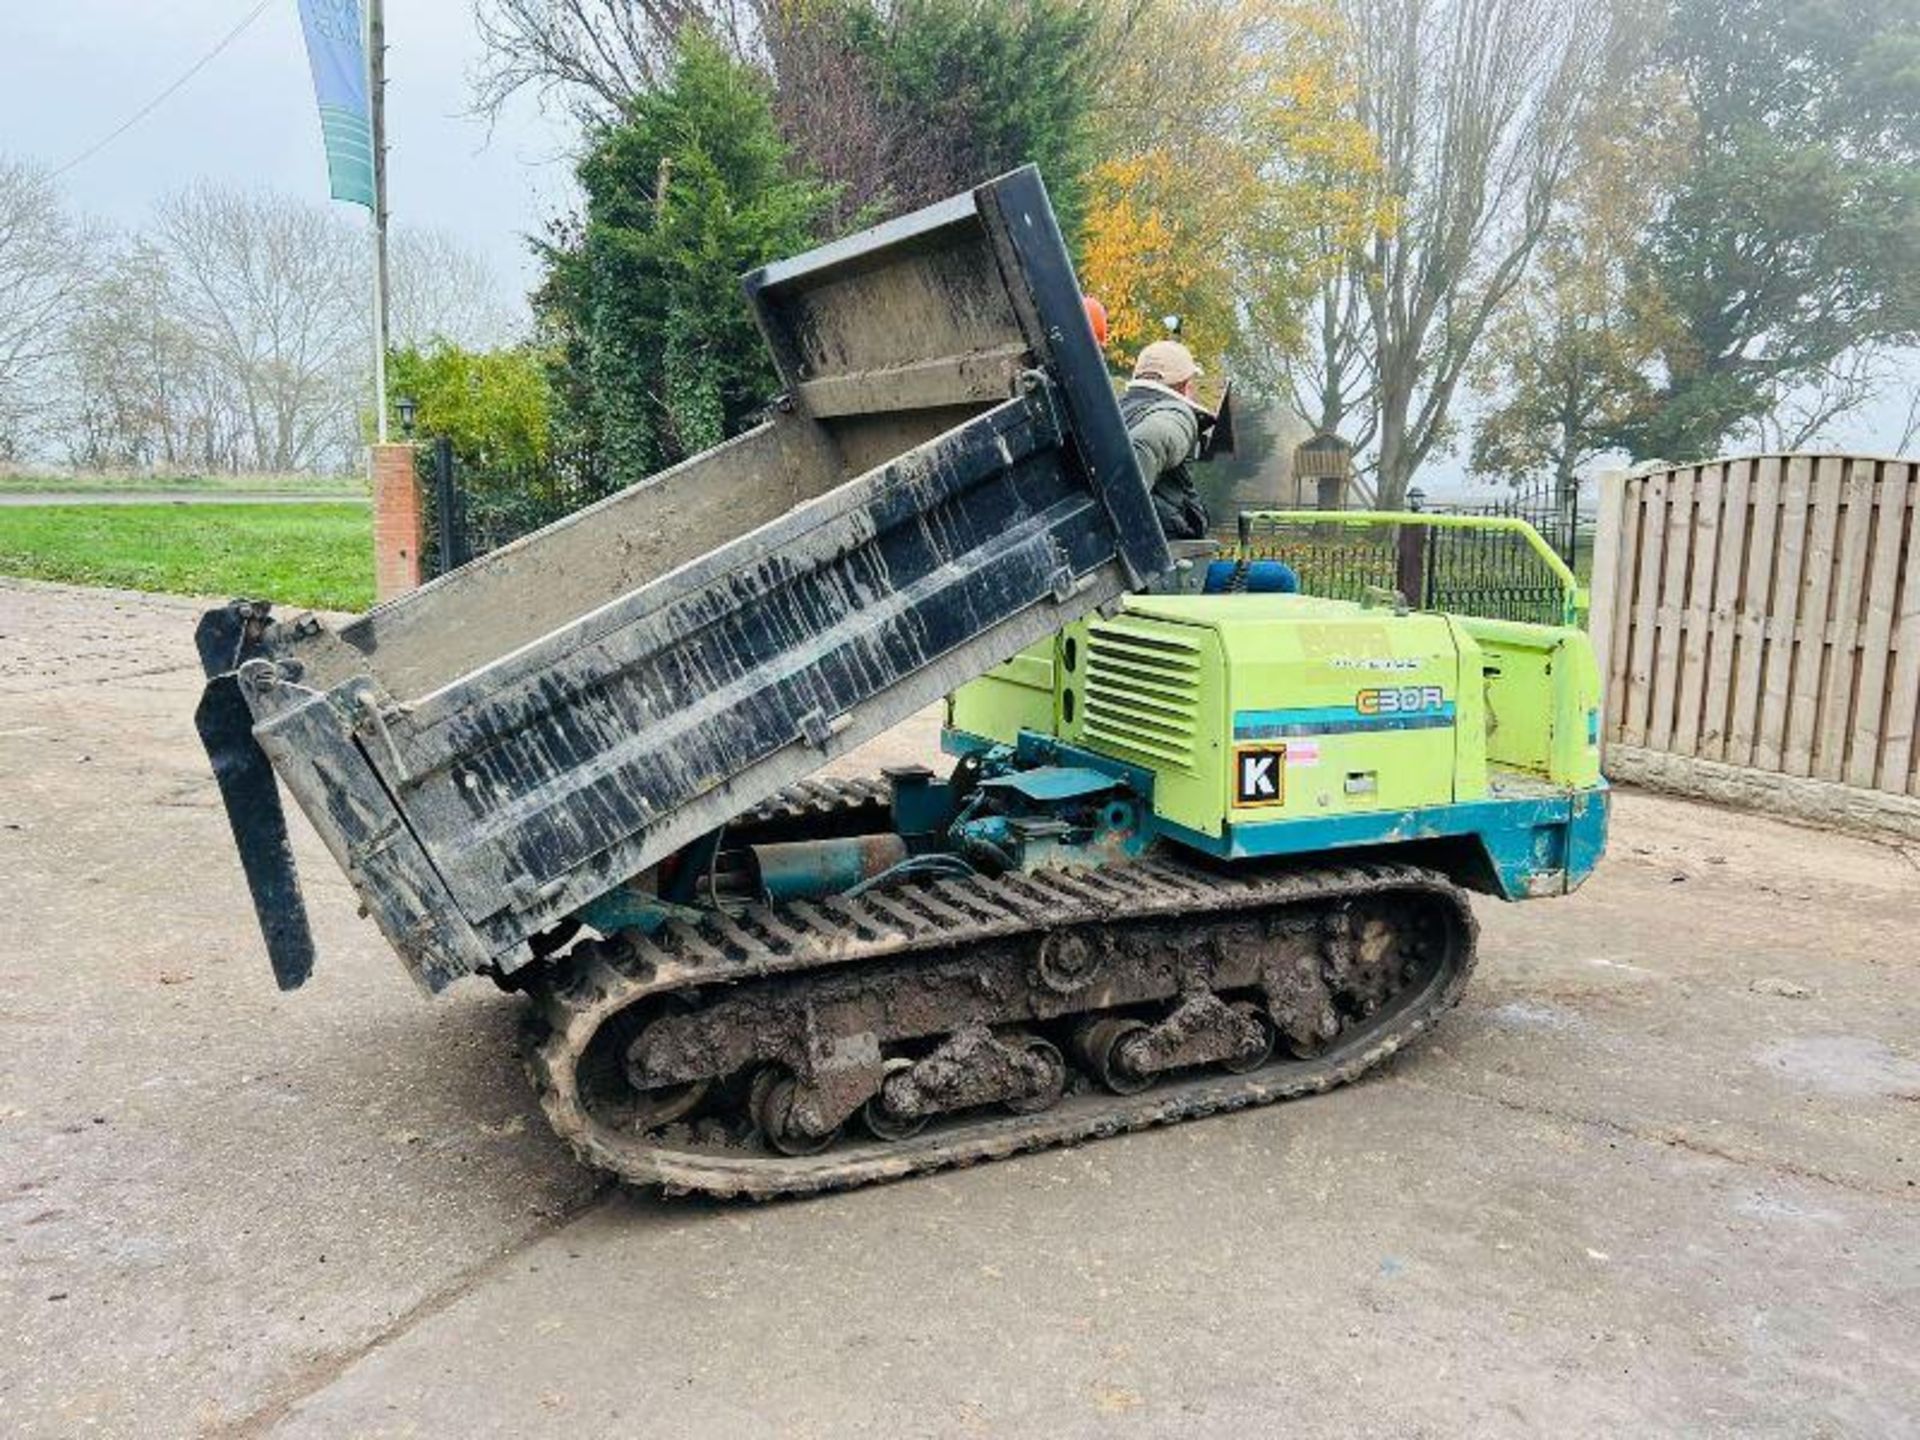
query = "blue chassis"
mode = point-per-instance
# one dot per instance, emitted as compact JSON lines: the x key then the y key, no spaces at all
{"x":1536,"y":839}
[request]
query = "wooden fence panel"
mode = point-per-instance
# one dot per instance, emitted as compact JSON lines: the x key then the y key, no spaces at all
{"x":1689,"y":722}
{"x":1813,"y":619}
{"x":1603,"y":624}
{"x":1764,"y":613}
{"x":1903,"y":698}
{"x":1840,"y":680}
{"x":1881,"y":592}
{"x":1722,"y":623}
{"x":1776,"y":683}
{"x":1615,"y":577}
{"x":1645,"y":598}
{"x":1670,"y":611}
{"x":1762,"y":552}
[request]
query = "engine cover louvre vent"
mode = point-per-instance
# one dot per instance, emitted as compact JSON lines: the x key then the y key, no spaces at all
{"x":1143,"y":692}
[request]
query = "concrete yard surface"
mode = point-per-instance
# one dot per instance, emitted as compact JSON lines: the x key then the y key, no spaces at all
{"x":1656,"y":1176}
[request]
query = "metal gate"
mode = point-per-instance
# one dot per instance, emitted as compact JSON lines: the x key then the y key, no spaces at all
{"x":472,"y":508}
{"x":1555,"y":513}
{"x":1495,"y":566}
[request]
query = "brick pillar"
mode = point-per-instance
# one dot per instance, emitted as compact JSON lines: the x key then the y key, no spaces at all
{"x":399,"y":528}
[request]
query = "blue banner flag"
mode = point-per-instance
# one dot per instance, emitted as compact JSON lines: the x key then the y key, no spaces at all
{"x":337,"y":52}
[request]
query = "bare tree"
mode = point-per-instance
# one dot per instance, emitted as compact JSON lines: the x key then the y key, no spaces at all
{"x":239,"y":336}
{"x":1332,"y":383}
{"x":44,"y":254}
{"x":137,"y":385}
{"x":1910,"y":426}
{"x":877,"y":155}
{"x":444,"y":290}
{"x":271,"y":292}
{"x":595,"y":56}
{"x":1476,"y":106}
{"x":1798,"y":415}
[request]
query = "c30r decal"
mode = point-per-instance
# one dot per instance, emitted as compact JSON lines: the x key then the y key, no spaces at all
{"x":1392,"y":707}
{"x":1401,"y":700}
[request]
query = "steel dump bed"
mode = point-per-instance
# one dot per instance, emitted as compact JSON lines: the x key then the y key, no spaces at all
{"x":945,"y":480}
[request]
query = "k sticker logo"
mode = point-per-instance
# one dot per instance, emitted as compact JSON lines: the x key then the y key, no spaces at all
{"x":1260,"y":775}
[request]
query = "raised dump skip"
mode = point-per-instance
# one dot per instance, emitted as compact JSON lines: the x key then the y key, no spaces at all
{"x":945,"y":481}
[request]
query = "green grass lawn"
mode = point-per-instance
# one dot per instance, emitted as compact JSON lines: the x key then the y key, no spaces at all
{"x":133,"y":484}
{"x":319,"y":555}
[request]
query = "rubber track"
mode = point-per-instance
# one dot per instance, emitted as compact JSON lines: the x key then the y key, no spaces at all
{"x":801,"y":937}
{"x":812,"y":799}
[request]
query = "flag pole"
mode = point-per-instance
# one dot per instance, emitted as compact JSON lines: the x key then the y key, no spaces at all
{"x":377,"y":107}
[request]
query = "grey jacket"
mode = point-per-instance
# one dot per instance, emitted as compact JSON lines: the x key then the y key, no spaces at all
{"x":1164,"y":429}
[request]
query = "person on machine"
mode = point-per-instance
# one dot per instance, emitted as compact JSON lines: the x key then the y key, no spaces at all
{"x":1163,"y":422}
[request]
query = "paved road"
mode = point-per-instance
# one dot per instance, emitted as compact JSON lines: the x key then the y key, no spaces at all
{"x":1656,"y":1177}
{"x":170,"y":497}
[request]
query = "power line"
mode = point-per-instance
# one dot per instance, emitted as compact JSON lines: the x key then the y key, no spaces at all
{"x":166,"y":94}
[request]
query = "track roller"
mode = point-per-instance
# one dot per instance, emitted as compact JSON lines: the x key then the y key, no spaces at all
{"x":1103,"y":1045}
{"x":1044,"y":1058}
{"x":1252,"y":1059}
{"x":772,"y":1100}
{"x":879,"y":1117}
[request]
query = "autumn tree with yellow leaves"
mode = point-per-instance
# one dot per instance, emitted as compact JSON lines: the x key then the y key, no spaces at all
{"x":1233,"y":175}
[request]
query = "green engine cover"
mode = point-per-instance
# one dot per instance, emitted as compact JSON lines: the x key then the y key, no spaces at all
{"x":1257,"y":708}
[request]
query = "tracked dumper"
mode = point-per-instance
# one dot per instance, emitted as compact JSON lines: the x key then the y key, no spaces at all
{"x":1195,"y":851}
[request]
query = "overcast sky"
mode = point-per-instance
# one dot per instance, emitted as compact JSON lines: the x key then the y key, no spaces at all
{"x":72,"y":70}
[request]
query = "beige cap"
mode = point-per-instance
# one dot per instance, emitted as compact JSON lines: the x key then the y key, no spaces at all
{"x":1167,"y":361}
